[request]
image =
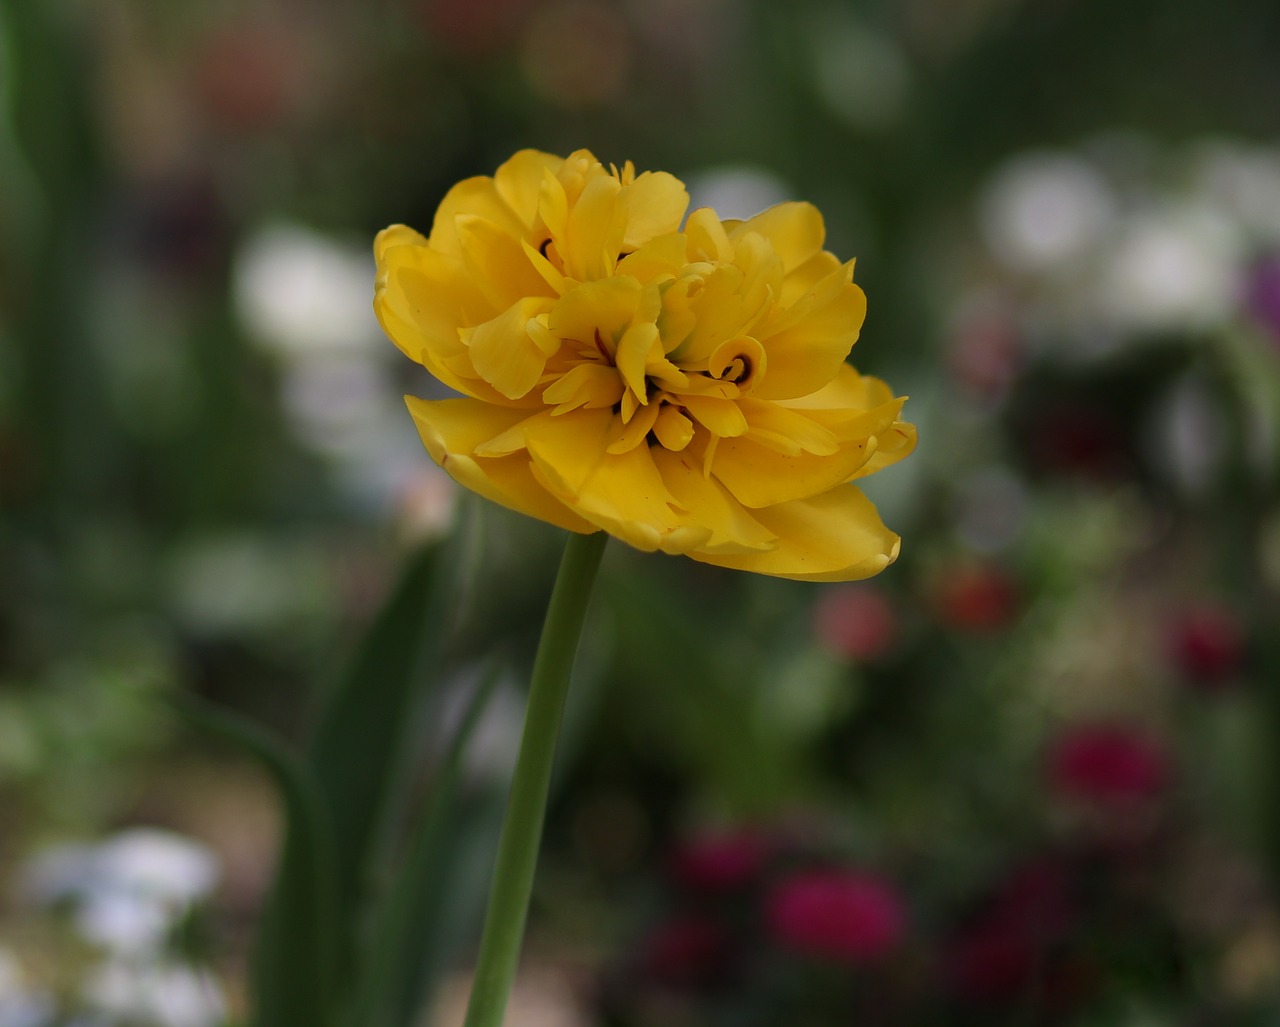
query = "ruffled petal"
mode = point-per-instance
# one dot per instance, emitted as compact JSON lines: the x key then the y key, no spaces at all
{"x":472,"y":197}
{"x":652,"y":205}
{"x":594,"y":386}
{"x":519,"y":182}
{"x":420,"y":299}
{"x":732,"y":528}
{"x":504,"y":352}
{"x":807,"y":355}
{"x":497,"y":263}
{"x":621,"y":492}
{"x":787,"y":431}
{"x":759,"y":476}
{"x":452,"y":430}
{"x":795,"y":230}
{"x":892,"y":445}
{"x":601,"y":309}
{"x":835,"y":536}
{"x":392,"y":236}
{"x":594,"y":236}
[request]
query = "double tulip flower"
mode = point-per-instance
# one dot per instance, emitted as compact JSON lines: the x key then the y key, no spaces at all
{"x":679,"y":383}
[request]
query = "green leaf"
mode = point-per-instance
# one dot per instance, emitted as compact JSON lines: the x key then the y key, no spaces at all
{"x":293,"y":959}
{"x":356,"y":752}
{"x":407,"y":948}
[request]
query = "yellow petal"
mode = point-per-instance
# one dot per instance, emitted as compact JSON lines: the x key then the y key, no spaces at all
{"x":786,"y":431}
{"x":594,"y":238}
{"x":420,"y":300}
{"x":451,"y":430}
{"x":661,"y":257}
{"x":891,"y":446}
{"x":760,"y":476}
{"x":741,"y":360}
{"x":590,"y":385}
{"x":622,"y":493}
{"x":638,"y":343}
{"x":807,"y":355}
{"x":545,"y":268}
{"x":498,"y":263}
{"x":553,"y":206}
{"x":836,"y":536}
{"x":519,"y":182}
{"x":606,"y":307}
{"x":795,"y":230}
{"x":847,"y":392}
{"x":652,"y":205}
{"x":634,"y":431}
{"x":806,"y":276}
{"x":673,"y":430}
{"x":504,"y":353}
{"x":472,"y":197}
{"x":732,"y":529}
{"x":706,"y":237}
{"x":725,"y":309}
{"x":721,"y":417}
{"x":395,"y":235}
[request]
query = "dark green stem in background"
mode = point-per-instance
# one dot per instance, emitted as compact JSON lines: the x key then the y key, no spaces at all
{"x":522,"y":827}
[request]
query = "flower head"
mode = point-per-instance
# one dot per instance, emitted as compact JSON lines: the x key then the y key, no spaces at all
{"x":680,"y":384}
{"x":842,"y":915}
{"x":1108,"y":764}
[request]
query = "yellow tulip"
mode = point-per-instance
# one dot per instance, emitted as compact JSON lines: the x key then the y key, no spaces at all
{"x":680,"y":384}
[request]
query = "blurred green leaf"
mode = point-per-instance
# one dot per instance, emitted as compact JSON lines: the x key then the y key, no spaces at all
{"x":356,"y":751}
{"x":293,"y":961}
{"x":707,"y":708}
{"x":411,"y":938}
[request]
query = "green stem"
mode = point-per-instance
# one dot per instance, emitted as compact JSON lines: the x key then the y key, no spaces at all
{"x":526,"y":805}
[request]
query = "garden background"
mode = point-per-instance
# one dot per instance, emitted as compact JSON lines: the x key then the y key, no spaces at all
{"x":1032,"y":765}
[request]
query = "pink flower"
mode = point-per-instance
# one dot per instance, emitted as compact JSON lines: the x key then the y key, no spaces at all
{"x":842,"y":915}
{"x":1207,"y":643}
{"x":1017,"y":942}
{"x":1262,"y":294}
{"x":979,"y":599}
{"x":719,"y":862}
{"x":856,"y":622}
{"x":685,"y":951}
{"x":1109,"y":764}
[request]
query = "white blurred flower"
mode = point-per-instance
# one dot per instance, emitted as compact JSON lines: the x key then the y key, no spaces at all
{"x":159,"y":863}
{"x":1174,"y":268}
{"x":299,"y":292}
{"x":127,"y":892}
{"x":155,"y":994}
{"x":1244,"y":182}
{"x":736,"y":190}
{"x":330,"y":400}
{"x":123,"y":922}
{"x":1187,"y":436}
{"x":1043,"y":210}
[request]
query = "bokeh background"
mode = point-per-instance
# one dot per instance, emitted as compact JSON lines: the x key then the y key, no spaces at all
{"x":1027,"y":776}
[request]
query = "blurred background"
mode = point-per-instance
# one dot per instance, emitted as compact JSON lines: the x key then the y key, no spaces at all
{"x":1027,"y":776}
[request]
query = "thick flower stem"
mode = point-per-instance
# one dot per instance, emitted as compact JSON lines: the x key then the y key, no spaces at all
{"x":526,"y":805}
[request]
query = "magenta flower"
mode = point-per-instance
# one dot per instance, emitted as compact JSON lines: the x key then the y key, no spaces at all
{"x":719,"y":862}
{"x":1207,"y":643}
{"x":842,"y":915}
{"x":1108,"y":764}
{"x":855,"y":622}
